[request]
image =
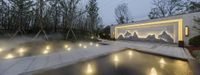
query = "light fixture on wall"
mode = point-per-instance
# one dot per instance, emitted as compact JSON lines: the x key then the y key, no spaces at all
{"x":186,"y":31}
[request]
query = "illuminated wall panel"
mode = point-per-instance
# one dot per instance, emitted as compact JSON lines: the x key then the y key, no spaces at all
{"x":161,"y":31}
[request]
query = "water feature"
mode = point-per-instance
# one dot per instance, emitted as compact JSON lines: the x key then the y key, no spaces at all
{"x":127,"y":62}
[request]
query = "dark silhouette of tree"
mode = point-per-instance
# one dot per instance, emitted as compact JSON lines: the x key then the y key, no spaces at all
{"x":193,"y":6}
{"x":122,"y":13}
{"x":70,"y":13}
{"x":43,"y":17}
{"x":21,"y":10}
{"x":165,"y":8}
{"x":93,"y":18}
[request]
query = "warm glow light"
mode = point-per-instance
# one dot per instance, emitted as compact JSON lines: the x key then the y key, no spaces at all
{"x":92,"y":37}
{"x":116,"y":58}
{"x":97,"y":45}
{"x":187,"y":31}
{"x":66,"y":46}
{"x":162,"y":63}
{"x":89,"y":69}
{"x":80,"y":45}
{"x":21,"y":51}
{"x":130,"y":54}
{"x":69,"y":49}
{"x":9,"y":56}
{"x":47,"y":47}
{"x":45,"y":52}
{"x":153,"y":24}
{"x":91,"y":43}
{"x":84,"y":46}
{"x":1,"y":50}
{"x":153,"y":72}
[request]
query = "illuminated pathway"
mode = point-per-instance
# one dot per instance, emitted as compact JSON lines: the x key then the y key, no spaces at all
{"x":58,"y":59}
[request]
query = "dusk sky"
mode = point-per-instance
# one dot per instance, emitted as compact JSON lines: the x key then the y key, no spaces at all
{"x":139,"y":9}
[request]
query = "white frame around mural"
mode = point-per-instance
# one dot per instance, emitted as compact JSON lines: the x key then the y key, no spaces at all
{"x":152,"y":24}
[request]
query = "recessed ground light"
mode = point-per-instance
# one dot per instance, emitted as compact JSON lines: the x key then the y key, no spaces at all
{"x":69,"y":49}
{"x":97,"y":45}
{"x":84,"y":46}
{"x":130,"y":53}
{"x":47,"y":47}
{"x":91,"y":43}
{"x":92,"y":37}
{"x":153,"y":71}
{"x":89,"y":69}
{"x":80,"y":45}
{"x":21,"y":51}
{"x":9,"y":56}
{"x":162,"y":63}
{"x":66,"y":46}
{"x":45,"y":52}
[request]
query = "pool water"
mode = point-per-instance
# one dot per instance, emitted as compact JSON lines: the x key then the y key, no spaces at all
{"x":127,"y":62}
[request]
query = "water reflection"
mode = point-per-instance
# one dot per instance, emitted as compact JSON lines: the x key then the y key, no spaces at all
{"x":162,"y":63}
{"x":153,"y":71}
{"x":130,"y":53}
{"x":1,"y":50}
{"x":90,"y":69}
{"x":115,"y":60}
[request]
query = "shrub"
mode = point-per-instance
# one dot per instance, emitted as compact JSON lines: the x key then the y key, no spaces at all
{"x":195,"y":41}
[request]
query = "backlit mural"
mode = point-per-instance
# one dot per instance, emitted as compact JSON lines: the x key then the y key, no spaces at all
{"x":164,"y":32}
{"x":164,"y":37}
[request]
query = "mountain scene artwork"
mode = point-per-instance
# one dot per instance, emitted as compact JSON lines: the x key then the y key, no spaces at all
{"x":163,"y":37}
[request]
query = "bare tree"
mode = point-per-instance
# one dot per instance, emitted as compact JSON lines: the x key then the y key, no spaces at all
{"x":70,"y":14}
{"x":164,"y":8}
{"x":122,"y":13}
{"x":55,"y":14}
{"x":3,"y":11}
{"x":21,"y":10}
{"x":41,"y":15}
{"x":193,"y":6}
{"x":93,"y":18}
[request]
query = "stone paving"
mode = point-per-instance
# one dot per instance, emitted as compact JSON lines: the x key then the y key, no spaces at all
{"x":29,"y":65}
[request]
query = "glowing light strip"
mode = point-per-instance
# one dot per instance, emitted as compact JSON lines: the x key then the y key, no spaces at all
{"x":152,"y":24}
{"x":187,"y":31}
